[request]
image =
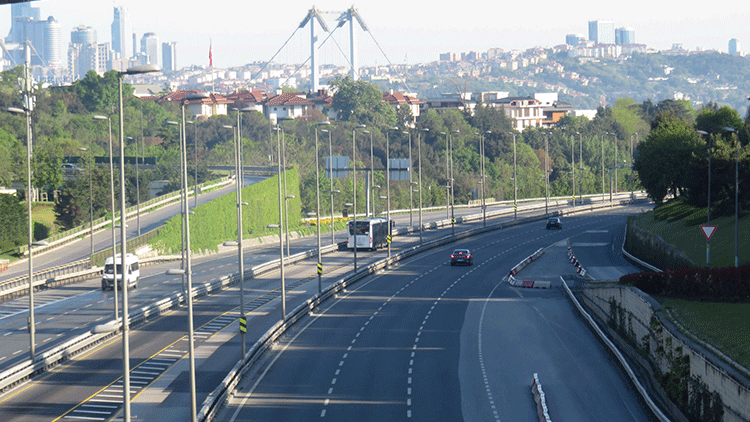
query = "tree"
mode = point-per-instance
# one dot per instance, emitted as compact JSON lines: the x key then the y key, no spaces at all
{"x":99,"y":92}
{"x":13,"y":220}
{"x":663,"y":160}
{"x":361,"y":102}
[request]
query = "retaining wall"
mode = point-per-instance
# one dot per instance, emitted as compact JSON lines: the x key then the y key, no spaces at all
{"x":641,"y":321}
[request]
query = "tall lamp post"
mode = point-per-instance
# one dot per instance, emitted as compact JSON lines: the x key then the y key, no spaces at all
{"x":137,"y":184}
{"x":112,"y":205}
{"x":27,"y":113}
{"x":195,"y":160}
{"x":240,"y":258}
{"x":453,"y":182}
{"x":708,"y":193}
{"x":354,"y":186}
{"x":580,"y":164}
{"x":419,"y":157}
{"x":330,"y":178}
{"x":91,"y":207}
{"x":317,"y":202}
{"x":123,"y":251}
{"x":371,"y":179}
{"x":605,"y":133}
{"x":736,"y":195}
{"x":573,"y":165}
{"x":447,"y":179}
{"x":388,"y":183}
{"x":481,"y":172}
{"x":515,"y":178}
{"x":411,"y":182}
{"x":546,"y":175}
{"x":280,"y":226}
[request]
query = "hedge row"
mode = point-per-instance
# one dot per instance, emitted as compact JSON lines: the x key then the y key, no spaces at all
{"x":730,"y":284}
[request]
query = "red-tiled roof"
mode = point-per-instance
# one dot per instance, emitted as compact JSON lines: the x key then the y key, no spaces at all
{"x":288,"y":99}
{"x":250,"y":97}
{"x":398,"y":98}
{"x":179,"y":97}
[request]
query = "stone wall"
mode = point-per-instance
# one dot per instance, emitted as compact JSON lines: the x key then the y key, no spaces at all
{"x":636,"y":317}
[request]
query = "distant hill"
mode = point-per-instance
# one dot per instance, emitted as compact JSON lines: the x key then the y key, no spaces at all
{"x":587,"y":83}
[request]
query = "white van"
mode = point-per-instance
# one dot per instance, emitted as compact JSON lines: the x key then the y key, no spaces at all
{"x":132,"y":276}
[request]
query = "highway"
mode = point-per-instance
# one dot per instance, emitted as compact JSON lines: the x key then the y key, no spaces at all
{"x":68,"y":311}
{"x":157,"y":343}
{"x":428,"y":341}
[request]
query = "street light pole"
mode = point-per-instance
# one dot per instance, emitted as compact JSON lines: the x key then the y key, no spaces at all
{"x":546,"y":175}
{"x":573,"y":166}
{"x":330,"y":178}
{"x":388,"y":183}
{"x":317,"y":210}
{"x":736,"y":195}
{"x":112,"y":205}
{"x":91,"y":207}
{"x":123,"y":241}
{"x":371,"y":205}
{"x":453,"y":182}
{"x":281,"y":226}
{"x":411,"y":195}
{"x":240,"y":259}
{"x":195,"y":161}
{"x":419,"y":156}
{"x":708,"y":193}
{"x":354,"y":188}
{"x":603,"y":165}
{"x":515,"y":179}
{"x":32,"y":323}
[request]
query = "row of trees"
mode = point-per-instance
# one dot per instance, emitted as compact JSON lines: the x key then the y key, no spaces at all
{"x":593,"y":149}
{"x":676,"y":157}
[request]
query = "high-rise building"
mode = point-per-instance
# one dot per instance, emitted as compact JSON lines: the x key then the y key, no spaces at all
{"x":51,"y":43}
{"x":734,"y":47}
{"x":573,"y":39}
{"x":624,"y":36}
{"x":83,"y":52}
{"x":169,"y":56}
{"x":83,"y":35}
{"x":122,"y":33}
{"x":21,"y":12}
{"x":602,"y":32}
{"x":151,"y":48}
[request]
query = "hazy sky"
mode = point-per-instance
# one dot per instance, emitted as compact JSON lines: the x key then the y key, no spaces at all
{"x":242,"y":31}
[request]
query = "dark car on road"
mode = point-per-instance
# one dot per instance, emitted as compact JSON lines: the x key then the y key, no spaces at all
{"x":554,"y":223}
{"x":462,"y":256}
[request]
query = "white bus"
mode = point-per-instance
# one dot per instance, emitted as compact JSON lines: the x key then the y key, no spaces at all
{"x":371,"y":233}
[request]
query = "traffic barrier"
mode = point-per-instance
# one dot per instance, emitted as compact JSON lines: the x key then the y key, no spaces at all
{"x":540,"y":399}
{"x":521,"y":265}
{"x":579,"y":268}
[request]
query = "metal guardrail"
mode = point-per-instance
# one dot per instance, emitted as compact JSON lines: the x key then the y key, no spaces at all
{"x":60,"y":354}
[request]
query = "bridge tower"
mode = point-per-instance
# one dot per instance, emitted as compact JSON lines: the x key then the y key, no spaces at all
{"x":312,"y":16}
